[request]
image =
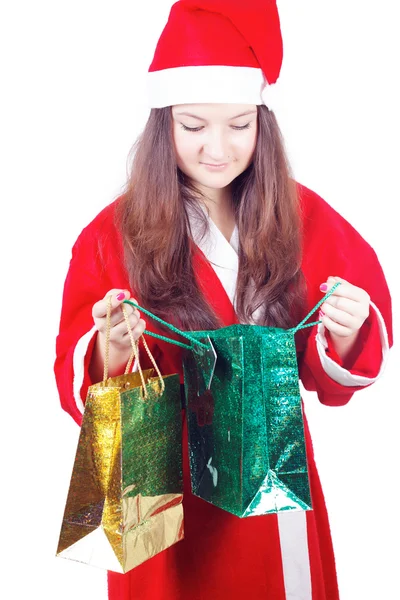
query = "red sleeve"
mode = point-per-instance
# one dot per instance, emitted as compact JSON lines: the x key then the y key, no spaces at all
{"x":84,"y":285}
{"x":96,"y":266}
{"x":365,"y":358}
{"x":332,"y":247}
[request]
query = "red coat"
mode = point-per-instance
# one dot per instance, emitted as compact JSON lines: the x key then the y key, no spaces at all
{"x":222,"y":556}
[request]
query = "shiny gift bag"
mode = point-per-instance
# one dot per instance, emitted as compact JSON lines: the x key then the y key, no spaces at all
{"x":245,"y":421}
{"x":246,"y":435}
{"x":125,"y":498}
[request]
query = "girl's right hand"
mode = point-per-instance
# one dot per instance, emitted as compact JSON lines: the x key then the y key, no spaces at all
{"x":119,"y":337}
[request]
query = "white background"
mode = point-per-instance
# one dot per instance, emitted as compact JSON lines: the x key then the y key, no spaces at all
{"x":73,"y":102}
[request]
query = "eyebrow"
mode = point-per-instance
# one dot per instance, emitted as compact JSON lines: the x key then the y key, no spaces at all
{"x":186,"y":114}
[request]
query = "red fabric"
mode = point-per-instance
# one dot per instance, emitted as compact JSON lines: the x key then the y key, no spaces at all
{"x":243,"y":34}
{"x":363,"y":359}
{"x":332,"y":247}
{"x":223,"y":556}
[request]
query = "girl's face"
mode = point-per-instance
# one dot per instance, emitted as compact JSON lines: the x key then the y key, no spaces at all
{"x":214,"y":143}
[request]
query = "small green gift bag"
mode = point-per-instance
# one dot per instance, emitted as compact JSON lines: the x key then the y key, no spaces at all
{"x":246,"y":439}
{"x":245,"y":421}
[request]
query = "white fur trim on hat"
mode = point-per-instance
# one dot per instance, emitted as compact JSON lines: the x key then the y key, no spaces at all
{"x":205,"y":85}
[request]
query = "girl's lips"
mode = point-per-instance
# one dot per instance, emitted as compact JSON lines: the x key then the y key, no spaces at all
{"x":215,"y":167}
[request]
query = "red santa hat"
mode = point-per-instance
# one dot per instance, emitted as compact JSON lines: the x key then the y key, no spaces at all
{"x":217,"y":51}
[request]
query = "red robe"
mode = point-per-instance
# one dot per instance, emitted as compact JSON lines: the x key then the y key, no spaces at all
{"x":277,"y":557}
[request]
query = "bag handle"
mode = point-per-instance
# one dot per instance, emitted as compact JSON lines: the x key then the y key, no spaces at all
{"x":149,"y":354}
{"x":302,"y":324}
{"x":171,"y":327}
{"x":135,"y":350}
{"x":205,"y":354}
{"x":107,"y":343}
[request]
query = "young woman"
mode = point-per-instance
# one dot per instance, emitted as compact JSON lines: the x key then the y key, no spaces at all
{"x":212,"y":230}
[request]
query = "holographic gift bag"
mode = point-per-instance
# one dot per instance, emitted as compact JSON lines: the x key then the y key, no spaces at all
{"x":245,"y":421}
{"x":246,"y":435}
{"x":125,"y":498}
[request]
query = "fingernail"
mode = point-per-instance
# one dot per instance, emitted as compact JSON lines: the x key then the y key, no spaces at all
{"x":321,"y":313}
{"x":323,"y":287}
{"x":121,"y":296}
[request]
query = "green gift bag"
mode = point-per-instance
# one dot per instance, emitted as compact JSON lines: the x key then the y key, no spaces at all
{"x":245,"y":422}
{"x":124,"y":503}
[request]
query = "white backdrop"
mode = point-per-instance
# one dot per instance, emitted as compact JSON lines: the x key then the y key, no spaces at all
{"x":73,"y":102}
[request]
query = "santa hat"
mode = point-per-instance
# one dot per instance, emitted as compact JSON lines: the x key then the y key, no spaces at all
{"x":217,"y":51}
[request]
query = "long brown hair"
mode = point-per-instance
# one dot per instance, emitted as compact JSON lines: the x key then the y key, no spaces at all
{"x":152,"y":215}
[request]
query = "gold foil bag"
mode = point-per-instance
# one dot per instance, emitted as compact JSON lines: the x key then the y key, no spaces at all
{"x":124,"y":503}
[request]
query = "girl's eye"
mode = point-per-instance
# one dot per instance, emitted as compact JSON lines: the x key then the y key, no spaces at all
{"x":243,"y":127}
{"x":191,"y":128}
{"x":200,"y":128}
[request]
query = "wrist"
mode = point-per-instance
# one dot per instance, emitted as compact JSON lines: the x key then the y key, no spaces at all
{"x":117,"y":359}
{"x":344,"y":346}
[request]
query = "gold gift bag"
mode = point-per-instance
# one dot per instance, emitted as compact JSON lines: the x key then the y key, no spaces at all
{"x":125,"y":498}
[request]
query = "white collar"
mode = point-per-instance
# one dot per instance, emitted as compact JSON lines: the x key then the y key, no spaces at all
{"x":222,"y":255}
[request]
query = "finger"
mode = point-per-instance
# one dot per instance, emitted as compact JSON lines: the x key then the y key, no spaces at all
{"x":128,"y":308}
{"x":118,"y":315}
{"x":99,"y":309}
{"x":335,"y":328}
{"x":345,"y":289}
{"x":119,"y":333}
{"x":118,"y":292}
{"x":137,"y":330}
{"x":342,"y":318}
{"x":351,"y":307}
{"x":117,"y":318}
{"x":132,"y":300}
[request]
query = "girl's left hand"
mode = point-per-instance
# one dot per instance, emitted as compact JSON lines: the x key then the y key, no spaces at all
{"x":345,"y":311}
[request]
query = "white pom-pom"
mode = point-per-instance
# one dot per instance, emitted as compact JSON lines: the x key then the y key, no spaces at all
{"x":270,"y":96}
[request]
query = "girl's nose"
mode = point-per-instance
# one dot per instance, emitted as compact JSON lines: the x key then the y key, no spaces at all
{"x":214,"y":148}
